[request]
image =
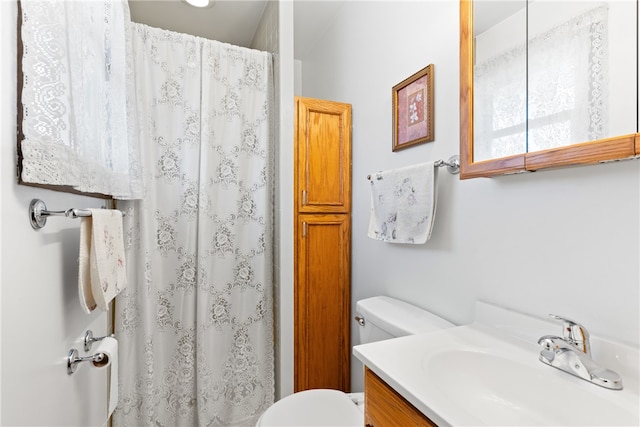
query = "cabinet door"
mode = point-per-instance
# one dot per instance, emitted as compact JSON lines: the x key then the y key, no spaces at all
{"x":385,"y":407}
{"x":322,"y":298}
{"x":323,"y":156}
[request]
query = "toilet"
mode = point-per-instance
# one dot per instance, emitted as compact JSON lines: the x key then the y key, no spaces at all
{"x":380,"y":318}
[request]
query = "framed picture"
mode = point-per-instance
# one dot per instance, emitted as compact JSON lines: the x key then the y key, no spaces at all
{"x":413,"y":110}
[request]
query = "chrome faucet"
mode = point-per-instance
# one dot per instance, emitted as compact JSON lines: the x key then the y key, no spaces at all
{"x":572,"y":354}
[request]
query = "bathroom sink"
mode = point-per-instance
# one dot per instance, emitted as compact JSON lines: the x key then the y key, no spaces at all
{"x":501,"y":391}
{"x":481,"y":374}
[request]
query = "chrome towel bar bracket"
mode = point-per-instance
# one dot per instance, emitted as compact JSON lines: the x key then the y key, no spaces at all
{"x":38,"y":213}
{"x":453,"y":164}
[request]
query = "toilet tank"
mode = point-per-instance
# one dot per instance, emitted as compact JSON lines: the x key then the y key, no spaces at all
{"x":386,"y":318}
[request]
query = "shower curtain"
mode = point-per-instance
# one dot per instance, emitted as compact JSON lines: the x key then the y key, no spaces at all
{"x":195,"y":324}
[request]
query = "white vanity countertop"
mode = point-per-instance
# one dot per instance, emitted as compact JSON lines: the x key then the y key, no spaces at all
{"x":478,"y":375}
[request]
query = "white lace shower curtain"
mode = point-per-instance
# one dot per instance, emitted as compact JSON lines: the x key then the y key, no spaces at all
{"x":195,"y":323}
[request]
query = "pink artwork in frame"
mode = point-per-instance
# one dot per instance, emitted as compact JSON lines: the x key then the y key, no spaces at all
{"x":413,"y":110}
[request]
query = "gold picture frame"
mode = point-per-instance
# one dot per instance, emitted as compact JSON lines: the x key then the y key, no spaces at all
{"x":413,"y":110}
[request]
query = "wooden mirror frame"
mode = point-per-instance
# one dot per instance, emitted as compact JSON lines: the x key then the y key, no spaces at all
{"x":598,"y":151}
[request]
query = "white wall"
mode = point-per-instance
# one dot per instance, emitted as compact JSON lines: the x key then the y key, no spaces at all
{"x":40,"y":315}
{"x":274,"y":34}
{"x":563,"y":241}
{"x":285,"y":200}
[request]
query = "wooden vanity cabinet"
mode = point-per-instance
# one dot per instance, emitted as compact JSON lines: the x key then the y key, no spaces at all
{"x":385,"y":407}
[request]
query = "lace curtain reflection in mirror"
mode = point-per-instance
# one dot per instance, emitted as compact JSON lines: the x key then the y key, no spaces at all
{"x":78,"y":127}
{"x":567,"y":97}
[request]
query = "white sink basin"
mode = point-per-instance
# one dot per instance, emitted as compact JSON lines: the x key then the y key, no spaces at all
{"x":518,"y":393}
{"x":478,"y":375}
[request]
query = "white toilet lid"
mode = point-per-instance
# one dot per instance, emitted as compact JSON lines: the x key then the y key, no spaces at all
{"x":313,"y":408}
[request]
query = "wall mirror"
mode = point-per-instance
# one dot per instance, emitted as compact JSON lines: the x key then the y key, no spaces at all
{"x":76,"y":128}
{"x":547,"y":84}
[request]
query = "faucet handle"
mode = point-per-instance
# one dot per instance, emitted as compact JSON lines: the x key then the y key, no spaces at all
{"x":574,"y":333}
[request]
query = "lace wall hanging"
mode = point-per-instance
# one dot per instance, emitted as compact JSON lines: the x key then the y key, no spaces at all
{"x":77,"y":123}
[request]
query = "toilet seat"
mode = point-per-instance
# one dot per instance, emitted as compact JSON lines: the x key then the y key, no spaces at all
{"x":313,"y":408}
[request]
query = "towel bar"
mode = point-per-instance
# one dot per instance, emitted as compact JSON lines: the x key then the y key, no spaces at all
{"x":38,"y":213}
{"x":453,"y":165}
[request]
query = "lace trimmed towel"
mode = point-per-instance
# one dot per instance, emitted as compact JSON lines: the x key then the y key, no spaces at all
{"x":101,"y":261}
{"x":403,"y":204}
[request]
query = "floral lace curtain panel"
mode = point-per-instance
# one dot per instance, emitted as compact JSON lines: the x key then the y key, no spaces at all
{"x":77,"y":118}
{"x":196,"y":328}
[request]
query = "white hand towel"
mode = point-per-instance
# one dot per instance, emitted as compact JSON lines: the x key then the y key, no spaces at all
{"x":87,"y":302}
{"x":102,"y":273}
{"x":403,"y":204}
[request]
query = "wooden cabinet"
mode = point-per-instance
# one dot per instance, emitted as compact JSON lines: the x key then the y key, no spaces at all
{"x":323,"y":303}
{"x":322,"y":289}
{"x":385,"y":407}
{"x":323,"y":156}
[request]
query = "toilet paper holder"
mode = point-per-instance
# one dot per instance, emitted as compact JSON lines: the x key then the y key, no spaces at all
{"x":74,"y":359}
{"x":89,"y":339}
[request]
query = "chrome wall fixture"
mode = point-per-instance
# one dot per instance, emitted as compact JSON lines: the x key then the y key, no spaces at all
{"x":89,"y":339}
{"x":74,"y":359}
{"x":452,"y":164}
{"x":97,"y":359}
{"x":38,"y":213}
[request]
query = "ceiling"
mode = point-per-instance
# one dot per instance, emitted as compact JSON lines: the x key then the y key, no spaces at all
{"x":235,"y":21}
{"x":488,"y":13}
{"x":229,"y":21}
